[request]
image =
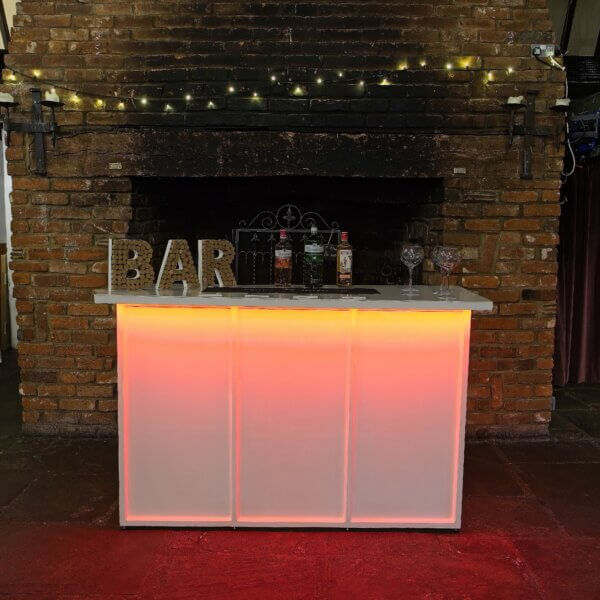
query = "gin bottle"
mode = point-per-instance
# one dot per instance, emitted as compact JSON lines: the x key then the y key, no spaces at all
{"x":344,"y":261}
{"x":312,"y":266}
{"x":283,"y":261}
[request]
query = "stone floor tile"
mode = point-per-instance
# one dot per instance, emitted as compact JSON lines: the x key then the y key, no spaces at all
{"x":485,"y":474}
{"x":24,"y":453}
{"x":453,"y":574}
{"x":12,"y":483}
{"x":73,"y":498}
{"x":311,"y":543}
{"x":586,"y":420}
{"x":564,"y":568}
{"x":6,"y":441}
{"x":506,"y":515}
{"x":571,"y":491}
{"x":68,"y":561}
{"x":589,"y":394}
{"x":550,"y":451}
{"x":233,"y":576}
{"x":561,"y":428}
{"x":82,"y":456}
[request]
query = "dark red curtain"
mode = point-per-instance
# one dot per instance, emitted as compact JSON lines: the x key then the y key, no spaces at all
{"x":577,"y":345}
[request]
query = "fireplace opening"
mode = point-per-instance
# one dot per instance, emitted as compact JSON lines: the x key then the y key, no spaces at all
{"x":380,"y":215}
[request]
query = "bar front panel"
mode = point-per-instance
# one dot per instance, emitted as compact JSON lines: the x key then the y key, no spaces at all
{"x":291,"y":417}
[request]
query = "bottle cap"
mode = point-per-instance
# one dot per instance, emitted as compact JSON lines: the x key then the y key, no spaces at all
{"x":313,"y":229}
{"x":282,"y":234}
{"x":344,"y":236}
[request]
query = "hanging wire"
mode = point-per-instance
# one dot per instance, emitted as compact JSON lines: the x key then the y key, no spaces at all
{"x":565,"y":175}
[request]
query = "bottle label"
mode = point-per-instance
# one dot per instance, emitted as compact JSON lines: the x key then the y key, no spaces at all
{"x":313,"y":249}
{"x":283,"y":259}
{"x":345,"y":262}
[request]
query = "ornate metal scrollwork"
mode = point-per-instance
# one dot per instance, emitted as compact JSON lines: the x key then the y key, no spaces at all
{"x":255,"y":240}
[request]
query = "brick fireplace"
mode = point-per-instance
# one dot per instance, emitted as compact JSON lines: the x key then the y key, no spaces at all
{"x":441,"y":117}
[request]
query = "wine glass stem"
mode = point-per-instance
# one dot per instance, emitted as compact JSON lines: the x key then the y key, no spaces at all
{"x":410,"y":272}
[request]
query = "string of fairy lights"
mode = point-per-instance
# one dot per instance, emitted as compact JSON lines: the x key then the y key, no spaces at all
{"x":277,"y":83}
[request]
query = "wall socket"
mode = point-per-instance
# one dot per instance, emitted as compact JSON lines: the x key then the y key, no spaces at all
{"x":543,"y":50}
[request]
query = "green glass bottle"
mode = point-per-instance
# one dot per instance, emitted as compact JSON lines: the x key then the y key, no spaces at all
{"x":312,"y":265}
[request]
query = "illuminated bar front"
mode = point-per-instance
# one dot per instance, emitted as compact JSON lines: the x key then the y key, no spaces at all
{"x":278,"y":411}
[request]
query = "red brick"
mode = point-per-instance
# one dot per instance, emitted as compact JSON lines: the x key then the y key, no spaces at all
{"x":77,"y":404}
{"x":522,"y":224}
{"x":497,"y":323}
{"x":480,"y":281}
{"x":99,"y":310}
{"x":30,"y":183}
{"x":520,"y":196}
{"x":108,"y":405}
{"x":56,"y":390}
{"x":59,"y":322}
{"x":88,"y":281}
{"x":101,"y":391}
{"x":38,"y":404}
{"x":76,"y":376}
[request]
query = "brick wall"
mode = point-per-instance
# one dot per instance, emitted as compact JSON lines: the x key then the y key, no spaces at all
{"x":428,"y":122}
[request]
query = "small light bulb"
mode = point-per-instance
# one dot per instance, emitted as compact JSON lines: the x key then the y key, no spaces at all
{"x":448,"y":66}
{"x":11,"y":77}
{"x":188,"y":97}
{"x":490,"y":76}
{"x":121,"y":106}
{"x":231,"y":89}
{"x":36,"y":73}
{"x":298,"y":91}
{"x":423,"y":63}
{"x":319,"y":80}
{"x":384,"y":81}
{"x":510,"y":70}
{"x":144,"y":101}
{"x":255,"y":95}
{"x":168,"y":108}
{"x":210,"y":104}
{"x":273,"y":77}
{"x":53,"y":90}
{"x":361,"y":83}
{"x":340,"y":73}
{"x":99,"y":103}
{"x":75,"y":98}
{"x":402,"y":67}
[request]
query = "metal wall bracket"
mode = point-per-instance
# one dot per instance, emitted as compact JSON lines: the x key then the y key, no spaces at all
{"x":528,"y":130}
{"x":37,"y":126}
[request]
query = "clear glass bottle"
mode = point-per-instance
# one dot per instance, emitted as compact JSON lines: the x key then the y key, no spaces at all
{"x":344,"y":262}
{"x":312,"y":264}
{"x":283,"y":261}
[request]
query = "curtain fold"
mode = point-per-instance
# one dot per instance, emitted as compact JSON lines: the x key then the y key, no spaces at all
{"x":577,"y":340}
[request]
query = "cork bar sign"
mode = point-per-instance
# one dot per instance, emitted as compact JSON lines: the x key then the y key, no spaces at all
{"x":130,"y":265}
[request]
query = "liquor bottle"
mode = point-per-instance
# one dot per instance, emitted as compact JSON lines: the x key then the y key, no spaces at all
{"x":344,"y":261}
{"x":283,"y":260}
{"x":312,"y":265}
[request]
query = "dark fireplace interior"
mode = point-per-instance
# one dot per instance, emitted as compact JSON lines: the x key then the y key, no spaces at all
{"x":380,"y":214}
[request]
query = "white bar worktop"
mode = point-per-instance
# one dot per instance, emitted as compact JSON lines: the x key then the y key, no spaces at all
{"x":389,"y":297}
